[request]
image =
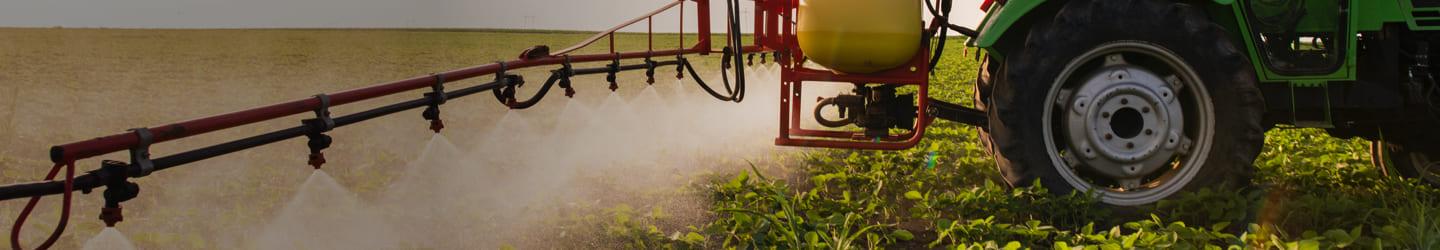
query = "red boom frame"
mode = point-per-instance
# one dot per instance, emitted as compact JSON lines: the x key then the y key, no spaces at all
{"x":117,"y":142}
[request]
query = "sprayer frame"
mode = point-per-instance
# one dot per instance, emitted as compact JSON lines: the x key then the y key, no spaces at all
{"x":770,"y":34}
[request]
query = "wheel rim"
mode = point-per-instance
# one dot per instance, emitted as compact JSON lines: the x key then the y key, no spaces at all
{"x":1130,"y":121}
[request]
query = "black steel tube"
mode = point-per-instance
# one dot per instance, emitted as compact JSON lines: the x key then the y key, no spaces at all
{"x":604,"y":70}
{"x":83,"y":182}
{"x":93,"y":180}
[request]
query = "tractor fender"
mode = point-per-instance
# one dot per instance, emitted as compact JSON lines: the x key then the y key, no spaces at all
{"x":1001,"y":17}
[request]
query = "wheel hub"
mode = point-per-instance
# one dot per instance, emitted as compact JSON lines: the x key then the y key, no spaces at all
{"x":1124,"y":122}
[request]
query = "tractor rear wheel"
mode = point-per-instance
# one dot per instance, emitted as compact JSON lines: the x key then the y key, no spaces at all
{"x":1133,"y":99}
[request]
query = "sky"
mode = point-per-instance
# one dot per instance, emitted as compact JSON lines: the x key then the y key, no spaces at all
{"x":587,"y":15}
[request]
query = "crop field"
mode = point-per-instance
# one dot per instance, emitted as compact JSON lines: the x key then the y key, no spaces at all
{"x":685,"y":172}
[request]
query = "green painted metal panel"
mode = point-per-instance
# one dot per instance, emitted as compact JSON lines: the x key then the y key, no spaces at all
{"x":1373,"y":14}
{"x":1407,"y":10}
{"x":1000,"y":18}
{"x":1345,"y":72}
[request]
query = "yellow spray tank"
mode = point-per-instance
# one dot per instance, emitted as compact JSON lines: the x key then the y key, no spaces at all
{"x":860,"y":36}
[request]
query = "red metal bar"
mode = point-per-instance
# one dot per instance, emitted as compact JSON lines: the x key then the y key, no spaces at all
{"x":650,"y":34}
{"x":703,"y":38}
{"x":772,"y":23}
{"x":122,"y":141}
{"x":612,"y":30}
{"x":682,"y":25}
{"x":758,"y":31}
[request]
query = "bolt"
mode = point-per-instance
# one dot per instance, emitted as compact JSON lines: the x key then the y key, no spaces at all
{"x":1114,"y":59}
{"x":1145,"y":110}
{"x":1149,"y":132}
{"x":1124,"y":101}
{"x":1174,"y":81}
{"x":1071,"y":161}
{"x":1105,"y":114}
{"x":1129,"y":145}
{"x":1119,"y":75}
{"x":1185,"y":145}
{"x":1109,"y":136}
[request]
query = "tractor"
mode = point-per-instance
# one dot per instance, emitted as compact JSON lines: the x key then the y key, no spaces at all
{"x":1138,"y":99}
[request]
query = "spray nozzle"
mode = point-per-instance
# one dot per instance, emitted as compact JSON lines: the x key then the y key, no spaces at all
{"x":118,"y":188}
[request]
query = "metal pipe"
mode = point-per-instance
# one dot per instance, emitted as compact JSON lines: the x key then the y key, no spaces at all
{"x":117,"y":142}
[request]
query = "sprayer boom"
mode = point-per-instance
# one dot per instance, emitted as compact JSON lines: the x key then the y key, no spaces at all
{"x":895,"y":98}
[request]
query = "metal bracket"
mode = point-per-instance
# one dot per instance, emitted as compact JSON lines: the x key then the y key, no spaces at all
{"x":437,"y":91}
{"x":725,"y":55}
{"x":140,"y":153}
{"x":565,"y":73}
{"x":680,"y":67}
{"x":437,"y":97}
{"x":318,"y":126}
{"x":614,"y":68}
{"x":322,"y":122}
{"x":505,"y":94}
{"x":649,"y":69}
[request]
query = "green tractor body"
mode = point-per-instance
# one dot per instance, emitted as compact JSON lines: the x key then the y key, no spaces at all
{"x":1357,"y":68}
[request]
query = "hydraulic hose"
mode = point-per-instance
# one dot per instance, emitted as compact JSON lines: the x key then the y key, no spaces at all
{"x":844,"y":119}
{"x":942,"y":16}
{"x":735,"y":48}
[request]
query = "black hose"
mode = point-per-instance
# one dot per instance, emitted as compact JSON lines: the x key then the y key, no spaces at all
{"x":738,"y":94}
{"x":819,"y":107}
{"x":698,"y":81}
{"x":942,"y":16}
{"x":554,"y":77}
{"x":731,"y":58}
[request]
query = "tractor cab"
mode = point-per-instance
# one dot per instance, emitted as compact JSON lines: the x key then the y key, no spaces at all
{"x":1298,"y":37}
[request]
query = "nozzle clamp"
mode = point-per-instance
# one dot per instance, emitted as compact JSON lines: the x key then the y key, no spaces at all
{"x":614,"y":68}
{"x":140,"y":153}
{"x":505,"y":94}
{"x":565,"y":73}
{"x":437,"y":97}
{"x":649,"y":68}
{"x":318,"y":126}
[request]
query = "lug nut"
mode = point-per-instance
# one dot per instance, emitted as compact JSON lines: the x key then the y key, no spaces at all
{"x":1109,"y":136}
{"x":1149,"y":132}
{"x":1129,"y":145}
{"x":1124,"y":101}
{"x":1105,"y":114}
{"x":1145,"y":110}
